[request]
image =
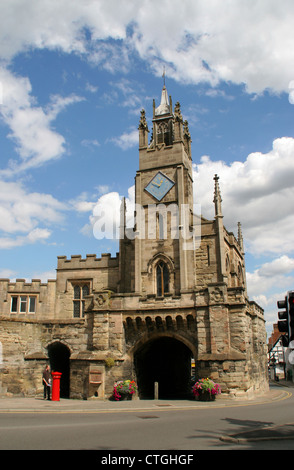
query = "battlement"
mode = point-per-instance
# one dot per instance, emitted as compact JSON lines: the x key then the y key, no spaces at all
{"x":22,"y":285}
{"x":90,"y":262}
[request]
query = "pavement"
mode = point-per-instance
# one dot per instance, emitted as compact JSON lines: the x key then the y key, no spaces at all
{"x":96,"y":405}
{"x":278,"y":391}
{"x":278,"y":432}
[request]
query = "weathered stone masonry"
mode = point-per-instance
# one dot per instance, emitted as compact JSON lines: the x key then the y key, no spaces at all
{"x":147,"y":312}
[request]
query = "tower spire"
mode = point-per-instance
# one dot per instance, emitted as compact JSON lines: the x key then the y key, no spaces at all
{"x":217,"y":197}
{"x":240,"y":237}
{"x":219,"y":229}
{"x":164,"y":107}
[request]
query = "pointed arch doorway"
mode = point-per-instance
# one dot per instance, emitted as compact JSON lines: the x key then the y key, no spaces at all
{"x":59,"y":355}
{"x":165,"y":360}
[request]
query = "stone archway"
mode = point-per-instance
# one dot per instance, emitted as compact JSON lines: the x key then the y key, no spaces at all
{"x":165,"y":360}
{"x":59,"y":355}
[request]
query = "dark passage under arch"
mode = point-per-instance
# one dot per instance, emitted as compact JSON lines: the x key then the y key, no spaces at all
{"x":167,"y":361}
{"x":59,"y":355}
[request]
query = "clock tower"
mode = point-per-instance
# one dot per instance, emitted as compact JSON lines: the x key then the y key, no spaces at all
{"x":164,"y":243}
{"x":144,"y":315}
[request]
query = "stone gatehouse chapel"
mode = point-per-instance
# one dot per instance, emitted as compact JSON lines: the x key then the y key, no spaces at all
{"x":172,"y":303}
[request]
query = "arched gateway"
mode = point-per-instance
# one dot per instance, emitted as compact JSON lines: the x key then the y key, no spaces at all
{"x":176,"y":291}
{"x":162,"y":350}
{"x":165,"y":361}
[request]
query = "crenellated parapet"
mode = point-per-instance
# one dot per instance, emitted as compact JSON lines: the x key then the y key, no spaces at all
{"x":90,"y":262}
{"x":21,"y":298}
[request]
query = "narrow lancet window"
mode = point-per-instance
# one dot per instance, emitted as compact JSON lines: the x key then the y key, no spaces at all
{"x":162,"y":277}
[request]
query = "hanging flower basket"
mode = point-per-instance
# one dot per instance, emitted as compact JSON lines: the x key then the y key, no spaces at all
{"x":124,"y":390}
{"x":206,"y":390}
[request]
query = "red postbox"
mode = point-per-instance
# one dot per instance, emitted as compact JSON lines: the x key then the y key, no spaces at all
{"x":56,"y":386}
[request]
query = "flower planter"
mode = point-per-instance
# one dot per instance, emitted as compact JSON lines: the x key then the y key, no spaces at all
{"x":206,"y":396}
{"x":126,"y":396}
{"x":124,"y":390}
{"x":206,"y":390}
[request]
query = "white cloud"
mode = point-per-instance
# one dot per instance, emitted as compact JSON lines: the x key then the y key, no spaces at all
{"x":80,"y":204}
{"x":90,"y":143}
{"x":131,"y":94}
{"x":291,"y":92}
{"x":36,"y":235}
{"x":256,"y":193}
{"x":91,"y":88}
{"x":30,"y":125}
{"x":6,"y":273}
{"x":259,"y":194}
{"x":272,"y":274}
{"x":127,"y":140}
{"x":59,"y":103}
{"x":22,"y":210}
{"x":282,"y":265}
{"x":104,"y":222}
{"x":26,"y":217}
{"x":44,"y":276}
{"x":112,"y":57}
{"x":103,"y":188}
{"x":234,"y":41}
{"x":84,"y":206}
{"x":106,"y":214}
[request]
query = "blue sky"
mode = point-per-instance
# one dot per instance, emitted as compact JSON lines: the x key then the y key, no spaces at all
{"x":74,"y":76}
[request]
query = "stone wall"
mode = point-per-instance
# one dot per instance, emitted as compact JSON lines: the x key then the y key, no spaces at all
{"x":25,"y":351}
{"x":45,"y":294}
{"x":19,"y":339}
{"x":231,"y":352}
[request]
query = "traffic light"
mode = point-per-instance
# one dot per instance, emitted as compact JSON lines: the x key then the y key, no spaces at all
{"x":283,"y":323}
{"x":291,"y":315}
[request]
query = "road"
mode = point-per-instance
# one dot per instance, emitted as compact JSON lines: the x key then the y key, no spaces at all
{"x":160,"y":428}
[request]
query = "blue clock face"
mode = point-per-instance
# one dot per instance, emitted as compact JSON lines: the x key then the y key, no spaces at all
{"x":159,"y":186}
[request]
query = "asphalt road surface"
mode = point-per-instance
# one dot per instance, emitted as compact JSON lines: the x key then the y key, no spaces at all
{"x":262,"y":426}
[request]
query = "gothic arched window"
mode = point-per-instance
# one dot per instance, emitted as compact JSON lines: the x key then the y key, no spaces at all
{"x":165,"y":133}
{"x":162,"y":279}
